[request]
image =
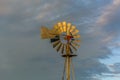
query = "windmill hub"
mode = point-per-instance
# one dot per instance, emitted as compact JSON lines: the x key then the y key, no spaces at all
{"x":63,"y":38}
{"x":68,"y":37}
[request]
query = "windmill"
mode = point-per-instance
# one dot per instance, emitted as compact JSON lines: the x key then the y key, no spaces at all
{"x":65,"y":39}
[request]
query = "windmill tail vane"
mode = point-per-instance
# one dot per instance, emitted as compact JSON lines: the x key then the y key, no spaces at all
{"x":47,"y":33}
{"x":65,"y":39}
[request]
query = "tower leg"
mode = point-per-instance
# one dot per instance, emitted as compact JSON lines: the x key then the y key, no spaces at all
{"x":68,"y":60}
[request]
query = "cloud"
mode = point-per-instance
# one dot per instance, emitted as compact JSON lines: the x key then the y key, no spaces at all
{"x":108,"y":12}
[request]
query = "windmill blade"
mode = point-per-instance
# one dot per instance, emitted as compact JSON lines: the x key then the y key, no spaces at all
{"x":63,"y":49}
{"x":72,"y":28}
{"x":64,"y":26}
{"x":68,"y":28}
{"x":75,"y":32}
{"x":57,"y":29}
{"x":60,"y":27}
{"x":77,"y":41}
{"x":58,"y":48}
{"x":73,"y":46}
{"x":56,"y":43}
{"x":76,"y":36}
{"x":70,"y":50}
{"x":69,"y":24}
{"x":55,"y":39}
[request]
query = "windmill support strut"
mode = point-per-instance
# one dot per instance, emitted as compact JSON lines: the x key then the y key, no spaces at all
{"x":68,"y":56}
{"x":68,"y":68}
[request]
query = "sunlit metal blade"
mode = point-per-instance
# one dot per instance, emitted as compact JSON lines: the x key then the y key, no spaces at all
{"x":56,"y":29}
{"x":68,"y":28}
{"x":73,"y":46}
{"x":64,"y":26}
{"x":62,"y":49}
{"x":55,"y":39}
{"x":75,"y":32}
{"x":59,"y":31}
{"x":72,"y":28}
{"x":60,"y":27}
{"x":77,"y":36}
{"x":56,"y":43}
{"x":58,"y":48}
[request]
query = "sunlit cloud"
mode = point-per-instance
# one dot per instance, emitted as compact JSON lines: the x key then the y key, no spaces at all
{"x":108,"y":11}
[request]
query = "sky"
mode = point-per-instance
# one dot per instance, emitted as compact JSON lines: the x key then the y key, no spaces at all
{"x":25,"y":56}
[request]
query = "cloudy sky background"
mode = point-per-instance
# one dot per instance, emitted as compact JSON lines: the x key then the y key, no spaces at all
{"x":25,"y":56}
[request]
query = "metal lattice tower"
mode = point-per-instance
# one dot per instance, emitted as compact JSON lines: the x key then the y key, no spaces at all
{"x":65,"y":39}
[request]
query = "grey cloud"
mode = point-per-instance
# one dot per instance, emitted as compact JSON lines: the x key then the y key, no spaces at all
{"x":28,"y":57}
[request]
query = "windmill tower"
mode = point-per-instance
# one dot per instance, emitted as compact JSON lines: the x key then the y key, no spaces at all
{"x":65,"y":39}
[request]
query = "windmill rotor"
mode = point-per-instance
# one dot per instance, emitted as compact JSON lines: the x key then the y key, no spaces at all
{"x":64,"y":32}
